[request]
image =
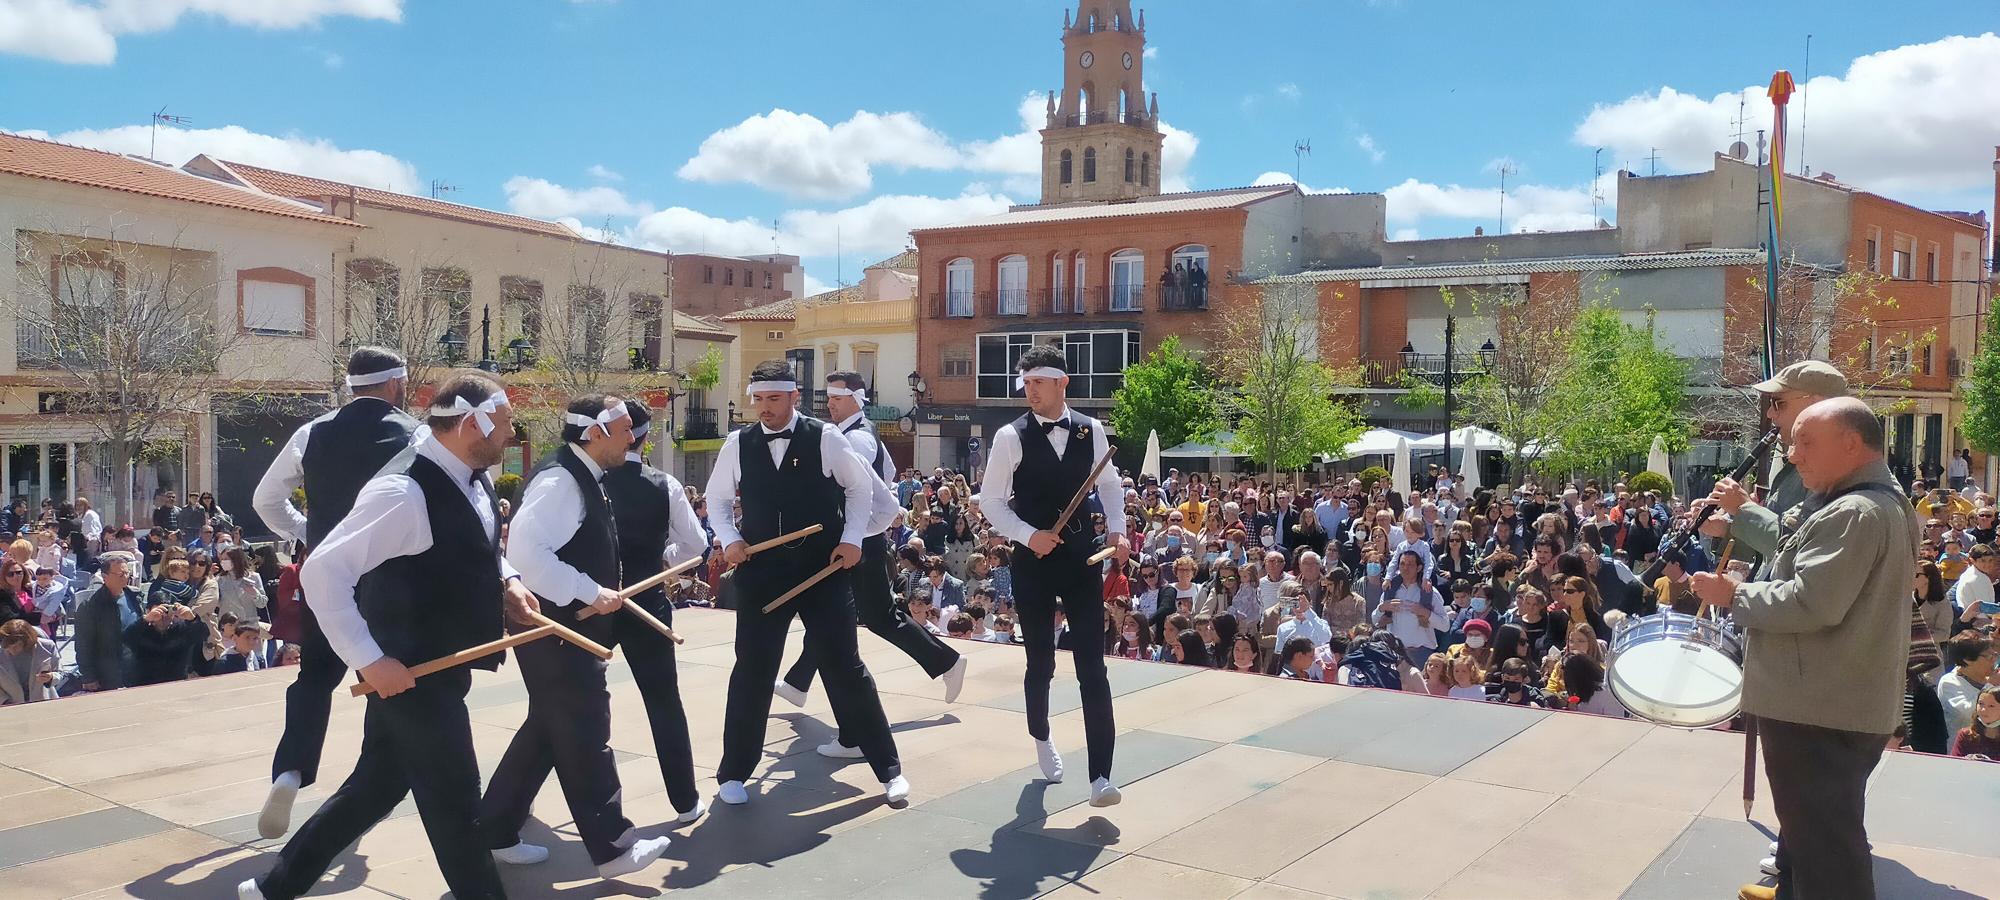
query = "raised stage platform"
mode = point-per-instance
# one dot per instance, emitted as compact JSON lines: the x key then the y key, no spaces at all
{"x":1235,"y":786}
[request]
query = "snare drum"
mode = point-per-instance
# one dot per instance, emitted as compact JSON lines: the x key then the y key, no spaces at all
{"x":1676,"y":669}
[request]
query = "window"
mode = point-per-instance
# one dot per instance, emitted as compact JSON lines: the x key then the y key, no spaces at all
{"x":1929,"y":357}
{"x":1190,"y":290}
{"x":647,"y":315}
{"x":1081,"y":268}
{"x":707,"y":274}
{"x":1128,"y":280}
{"x":1064,"y":167}
{"x":1930,"y":267}
{"x":373,"y":312}
{"x":1089,"y":164}
{"x":1903,"y":258}
{"x":521,"y":305}
{"x":774,"y":335}
{"x":956,"y":362}
{"x":1146,"y":168}
{"x":1874,"y":250}
{"x":590,"y":319}
{"x":958,"y":287}
{"x":864,"y":365}
{"x":275,"y":301}
{"x":1096,"y":361}
{"x":767,"y":281}
{"x":447,"y":298}
{"x":1058,"y":295}
{"x":1131,"y":170}
{"x":1013,"y":297}
{"x":87,"y":279}
{"x":728,"y":276}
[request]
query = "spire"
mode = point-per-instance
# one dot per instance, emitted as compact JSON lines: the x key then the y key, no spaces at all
{"x":1065,"y":18}
{"x":1153,"y":112}
{"x":1052,"y":109}
{"x":1142,"y":19}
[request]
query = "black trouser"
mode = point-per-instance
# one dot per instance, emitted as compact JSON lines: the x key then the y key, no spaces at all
{"x":568,"y":729}
{"x":828,"y":614}
{"x":880,"y":613}
{"x":419,"y":741}
{"x":1819,"y":782}
{"x":308,"y":702}
{"x":1038,"y":581}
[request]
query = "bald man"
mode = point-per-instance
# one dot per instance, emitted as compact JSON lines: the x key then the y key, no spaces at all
{"x":1827,"y":638}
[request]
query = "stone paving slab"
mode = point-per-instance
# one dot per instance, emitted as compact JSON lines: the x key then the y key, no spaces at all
{"x":1236,"y":786}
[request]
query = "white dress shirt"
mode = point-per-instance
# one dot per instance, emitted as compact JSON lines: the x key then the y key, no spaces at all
{"x":864,"y":444}
{"x":92,"y":524}
{"x":390,"y":519}
{"x":686,"y":539}
{"x":1005,"y":457}
{"x":273,"y":497}
{"x":1312,"y":626}
{"x":836,"y":460}
{"x":551,"y":511}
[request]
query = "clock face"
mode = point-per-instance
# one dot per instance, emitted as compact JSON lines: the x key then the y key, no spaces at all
{"x":1128,"y":60}
{"x":1086,"y":59}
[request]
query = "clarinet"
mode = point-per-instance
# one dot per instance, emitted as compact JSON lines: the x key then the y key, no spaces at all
{"x":1679,"y":538}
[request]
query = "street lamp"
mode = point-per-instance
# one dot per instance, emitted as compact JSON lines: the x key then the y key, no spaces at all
{"x":452,"y":346}
{"x":520,"y":351}
{"x":486,"y":361}
{"x":732,"y":414}
{"x":1486,"y":353}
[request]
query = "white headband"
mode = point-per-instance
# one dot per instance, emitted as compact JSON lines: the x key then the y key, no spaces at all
{"x":760,"y":387}
{"x":860,"y":396}
{"x":374,"y":378}
{"x":640,"y":431}
{"x":481,"y":414}
{"x":602,"y":422}
{"x":1021,"y":380}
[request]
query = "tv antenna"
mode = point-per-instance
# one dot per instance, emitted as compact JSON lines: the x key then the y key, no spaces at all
{"x":1300,"y":150}
{"x":439,"y":187}
{"x":1596,"y":184}
{"x":1653,"y":162}
{"x":1507,"y":168}
{"x":153,"y":151}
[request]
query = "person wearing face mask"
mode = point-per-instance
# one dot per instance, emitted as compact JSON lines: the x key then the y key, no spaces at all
{"x":1981,"y":738}
{"x":1513,"y":688}
{"x":1478,"y":645}
{"x":1372,"y":580}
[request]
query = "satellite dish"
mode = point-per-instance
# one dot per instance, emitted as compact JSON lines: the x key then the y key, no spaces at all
{"x":1739,"y":150}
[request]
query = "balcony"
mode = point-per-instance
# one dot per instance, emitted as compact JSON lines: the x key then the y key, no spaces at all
{"x":1010,"y":302}
{"x":1183,"y":297}
{"x":1127,"y":297}
{"x":952,"y":305}
{"x":84,"y":346}
{"x":702,"y":425}
{"x":1388,"y":372}
{"x":1066,"y":302}
{"x":872,"y":313}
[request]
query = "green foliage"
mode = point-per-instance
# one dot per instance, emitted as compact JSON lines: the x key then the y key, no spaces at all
{"x":1296,"y":417}
{"x":1371,"y":476}
{"x":1418,"y":393}
{"x":1172,"y":392}
{"x":508,"y":485}
{"x":1651,"y":481}
{"x":705,"y":373}
{"x":1621,"y":389}
{"x":1981,"y":425}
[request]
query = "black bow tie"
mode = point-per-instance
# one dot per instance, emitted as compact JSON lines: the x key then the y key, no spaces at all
{"x":1059,"y":423}
{"x":785,"y":435}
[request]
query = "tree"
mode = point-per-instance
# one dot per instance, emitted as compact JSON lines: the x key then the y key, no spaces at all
{"x":1621,"y":389}
{"x":1531,"y":357}
{"x":128,"y":331}
{"x":1171,"y":392}
{"x":1981,"y":424}
{"x":1282,"y":396}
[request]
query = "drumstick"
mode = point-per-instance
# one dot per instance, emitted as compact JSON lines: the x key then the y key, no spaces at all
{"x":1082,"y":491}
{"x":463,"y":656}
{"x":816,"y":578}
{"x":563,"y":631}
{"x":1101,"y":555}
{"x":652,"y":620}
{"x":641,"y":587}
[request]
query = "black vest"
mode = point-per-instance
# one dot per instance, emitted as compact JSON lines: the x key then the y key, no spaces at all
{"x":444,"y":599}
{"x":874,"y":463}
{"x":783,"y":498}
{"x":1051,"y":481}
{"x":593,"y":550}
{"x":642,"y":508}
{"x":343,"y":452}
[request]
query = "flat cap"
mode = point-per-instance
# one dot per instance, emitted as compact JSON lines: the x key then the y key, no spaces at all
{"x":1809,"y":376}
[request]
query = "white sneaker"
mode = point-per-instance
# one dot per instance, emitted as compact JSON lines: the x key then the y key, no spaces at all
{"x":521,"y":854}
{"x":1774,"y":848}
{"x":248,"y":891}
{"x":834,"y":749}
{"x":1104,"y":793}
{"x":277,"y":816}
{"x":1052,"y":768}
{"x":732,"y":793}
{"x":626,"y":840}
{"x":638,"y":856}
{"x":1768,"y":865}
{"x":700,"y":807}
{"x":896,"y":790}
{"x":954,"y":681}
{"x":792,"y":695}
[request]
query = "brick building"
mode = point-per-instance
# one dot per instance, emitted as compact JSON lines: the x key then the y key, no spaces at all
{"x":709,"y":285}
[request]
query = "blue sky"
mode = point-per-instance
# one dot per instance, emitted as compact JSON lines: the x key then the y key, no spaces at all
{"x":743,"y":126}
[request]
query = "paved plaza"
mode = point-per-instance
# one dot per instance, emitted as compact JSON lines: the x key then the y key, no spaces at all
{"x":1235,"y":786}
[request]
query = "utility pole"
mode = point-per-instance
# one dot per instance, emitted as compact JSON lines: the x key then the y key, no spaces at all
{"x":1506,"y":168}
{"x":1450,"y":350}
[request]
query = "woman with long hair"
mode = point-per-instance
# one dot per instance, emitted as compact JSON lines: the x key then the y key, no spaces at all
{"x":1306,"y":533}
{"x":1584,"y":678}
{"x":1188,"y":650}
{"x":1243,"y":656}
{"x":1134,"y":638}
{"x":1511,"y":642}
{"x":1225,"y":629}
{"x":1930,"y":600}
{"x":1577,"y":597}
{"x":1981,"y":738}
{"x":1582,"y":641}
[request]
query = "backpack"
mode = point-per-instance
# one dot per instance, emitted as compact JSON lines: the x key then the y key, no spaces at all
{"x":1373,"y":664}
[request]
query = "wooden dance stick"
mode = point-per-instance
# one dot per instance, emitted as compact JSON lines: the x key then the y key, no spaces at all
{"x":1101,"y":555}
{"x":787,"y":538}
{"x":634,"y":590}
{"x":463,"y":656}
{"x":563,"y":631}
{"x":816,"y":578}
{"x":1082,"y":491}
{"x":633,"y":607}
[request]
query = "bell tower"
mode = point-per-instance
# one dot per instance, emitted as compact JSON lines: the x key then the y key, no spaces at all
{"x":1102,"y":141}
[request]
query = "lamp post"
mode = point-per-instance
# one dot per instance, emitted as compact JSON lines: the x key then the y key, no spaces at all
{"x":486,"y":361}
{"x":452,"y":346}
{"x":519,"y":352}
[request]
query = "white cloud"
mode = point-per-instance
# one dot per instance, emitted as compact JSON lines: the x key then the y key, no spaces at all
{"x":1530,"y":207}
{"x":1019,"y":153}
{"x":1916,"y":117}
{"x":599,"y":172}
{"x":1288,"y":90}
{"x":1276,"y":177}
{"x":1496,"y":164}
{"x":880,"y":226}
{"x":69,"y":31}
{"x":1177,"y":158}
{"x":1367,"y":144}
{"x":800,"y":155}
{"x":1405,"y":234}
{"x":547,"y":200}
{"x":815,"y":286}
{"x":318,"y":157}
{"x":1152,"y":52}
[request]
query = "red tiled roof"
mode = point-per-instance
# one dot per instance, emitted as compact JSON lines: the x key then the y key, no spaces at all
{"x":781,"y":311}
{"x":31,"y":158}
{"x":287,"y":184}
